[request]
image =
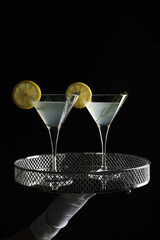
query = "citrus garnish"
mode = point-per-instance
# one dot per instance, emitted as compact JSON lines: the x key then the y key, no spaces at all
{"x":84,"y":92}
{"x":24,"y":93}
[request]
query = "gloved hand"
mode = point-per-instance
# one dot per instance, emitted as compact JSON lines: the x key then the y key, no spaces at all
{"x":57,"y":215}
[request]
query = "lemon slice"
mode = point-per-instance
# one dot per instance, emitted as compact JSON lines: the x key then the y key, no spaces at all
{"x":24,"y":92}
{"x":85,"y":93}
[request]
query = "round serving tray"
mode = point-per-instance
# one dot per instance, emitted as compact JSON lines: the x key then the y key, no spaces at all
{"x":78,"y":173}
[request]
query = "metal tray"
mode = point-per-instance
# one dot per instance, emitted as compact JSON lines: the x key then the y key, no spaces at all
{"x":78,"y":173}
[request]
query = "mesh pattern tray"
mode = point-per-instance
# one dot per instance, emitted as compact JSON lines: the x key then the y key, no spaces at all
{"x":77,"y":173}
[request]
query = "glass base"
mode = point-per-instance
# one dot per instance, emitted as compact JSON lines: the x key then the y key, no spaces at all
{"x":56,"y":181}
{"x":104,"y":176}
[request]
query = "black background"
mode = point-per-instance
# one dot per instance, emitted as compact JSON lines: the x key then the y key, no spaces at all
{"x":112,"y":47}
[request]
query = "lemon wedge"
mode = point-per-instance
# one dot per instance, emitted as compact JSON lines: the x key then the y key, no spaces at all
{"x":24,"y":93}
{"x":84,"y":92}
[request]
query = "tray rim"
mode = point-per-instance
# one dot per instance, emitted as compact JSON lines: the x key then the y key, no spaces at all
{"x":148,"y":162}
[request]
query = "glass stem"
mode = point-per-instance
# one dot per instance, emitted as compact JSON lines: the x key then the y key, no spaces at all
{"x":54,"y":133}
{"x":103,"y":130}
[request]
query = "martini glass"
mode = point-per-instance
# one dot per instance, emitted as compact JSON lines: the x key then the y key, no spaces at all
{"x":54,"y":109}
{"x":103,"y":108}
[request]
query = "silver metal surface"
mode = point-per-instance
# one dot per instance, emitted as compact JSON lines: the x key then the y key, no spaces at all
{"x":78,"y":173}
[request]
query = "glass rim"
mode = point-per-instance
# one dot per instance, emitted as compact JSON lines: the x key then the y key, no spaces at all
{"x":46,"y":96}
{"x":59,"y":94}
{"x":110,"y":94}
